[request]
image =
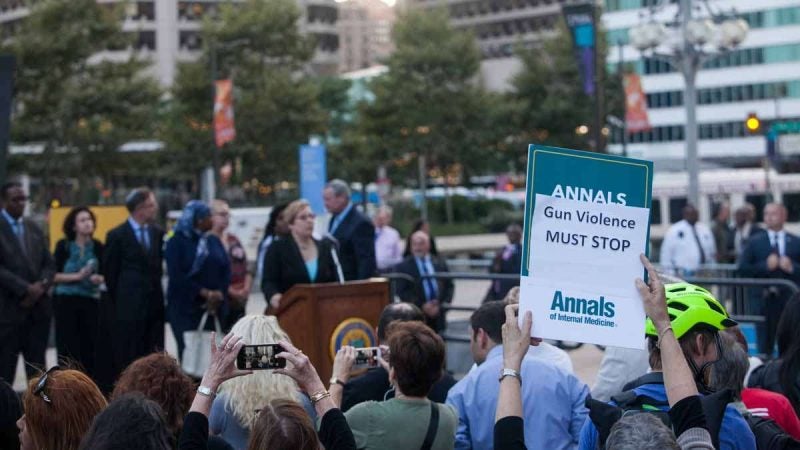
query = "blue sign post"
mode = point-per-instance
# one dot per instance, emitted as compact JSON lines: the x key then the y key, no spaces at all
{"x":313,"y":175}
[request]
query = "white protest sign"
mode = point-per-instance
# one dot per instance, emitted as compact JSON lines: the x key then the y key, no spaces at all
{"x":586,"y":223}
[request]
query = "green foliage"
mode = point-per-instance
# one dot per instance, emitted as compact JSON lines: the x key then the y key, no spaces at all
{"x":79,"y":107}
{"x":471,"y":216}
{"x":549,"y":96}
{"x":259,"y":45}
{"x":429,"y":102}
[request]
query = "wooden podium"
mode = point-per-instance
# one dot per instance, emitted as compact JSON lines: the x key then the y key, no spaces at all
{"x":310,"y":313}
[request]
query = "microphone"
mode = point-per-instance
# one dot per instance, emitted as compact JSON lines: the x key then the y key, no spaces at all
{"x":335,"y":256}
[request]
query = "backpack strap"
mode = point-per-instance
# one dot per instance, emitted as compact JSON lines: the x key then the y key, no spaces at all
{"x":603,"y":416}
{"x":433,"y":427}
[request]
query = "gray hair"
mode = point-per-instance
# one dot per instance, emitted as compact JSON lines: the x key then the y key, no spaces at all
{"x":641,"y":431}
{"x":731,"y":367}
{"x":339,"y":187}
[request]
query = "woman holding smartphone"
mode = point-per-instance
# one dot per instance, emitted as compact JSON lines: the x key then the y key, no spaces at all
{"x":77,"y":290}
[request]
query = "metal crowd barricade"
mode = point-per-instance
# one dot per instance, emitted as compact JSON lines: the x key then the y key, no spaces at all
{"x":742,"y":297}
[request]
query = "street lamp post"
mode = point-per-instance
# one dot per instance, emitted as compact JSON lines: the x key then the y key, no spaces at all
{"x":686,"y":43}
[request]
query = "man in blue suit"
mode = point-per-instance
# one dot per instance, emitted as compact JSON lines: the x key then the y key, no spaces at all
{"x":771,"y":254}
{"x":352,"y":229}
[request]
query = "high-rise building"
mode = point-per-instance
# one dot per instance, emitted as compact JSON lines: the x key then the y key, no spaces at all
{"x":499,"y":26}
{"x":761,"y":76}
{"x":168,"y":31}
{"x":365,"y":28}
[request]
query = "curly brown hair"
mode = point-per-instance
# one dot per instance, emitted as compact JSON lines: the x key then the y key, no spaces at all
{"x":159,"y":377}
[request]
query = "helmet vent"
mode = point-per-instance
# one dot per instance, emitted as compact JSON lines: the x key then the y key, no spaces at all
{"x":678,"y":305}
{"x":715,"y":307}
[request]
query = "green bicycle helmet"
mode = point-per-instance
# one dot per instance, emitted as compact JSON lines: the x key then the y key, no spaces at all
{"x":689,"y":305}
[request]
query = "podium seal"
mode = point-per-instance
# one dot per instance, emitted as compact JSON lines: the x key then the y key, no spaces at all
{"x":355,"y":332}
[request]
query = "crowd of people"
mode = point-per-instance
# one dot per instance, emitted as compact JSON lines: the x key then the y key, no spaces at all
{"x":694,"y":387}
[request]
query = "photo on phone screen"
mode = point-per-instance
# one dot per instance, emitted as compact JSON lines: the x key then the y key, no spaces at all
{"x":260,"y":357}
{"x":367,"y":357}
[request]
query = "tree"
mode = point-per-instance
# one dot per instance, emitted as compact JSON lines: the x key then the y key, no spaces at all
{"x":548,"y":93}
{"x":258,"y":44}
{"x":80,"y":107}
{"x":430,"y":101}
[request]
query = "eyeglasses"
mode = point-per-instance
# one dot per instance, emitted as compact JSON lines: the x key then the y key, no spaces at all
{"x":39,"y":389}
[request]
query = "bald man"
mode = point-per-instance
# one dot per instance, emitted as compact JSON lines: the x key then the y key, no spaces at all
{"x":771,"y":254}
{"x":427,"y":293}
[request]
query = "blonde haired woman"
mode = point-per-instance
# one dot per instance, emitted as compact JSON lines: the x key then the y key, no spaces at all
{"x":239,"y":400}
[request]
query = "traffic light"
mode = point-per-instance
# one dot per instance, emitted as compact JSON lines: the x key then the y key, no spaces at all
{"x":753,"y":123}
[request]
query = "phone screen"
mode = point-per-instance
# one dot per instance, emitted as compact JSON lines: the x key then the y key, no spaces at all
{"x":367,"y":357}
{"x":260,"y":357}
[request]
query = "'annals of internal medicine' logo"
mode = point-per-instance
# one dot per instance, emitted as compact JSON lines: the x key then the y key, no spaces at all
{"x":355,"y":332}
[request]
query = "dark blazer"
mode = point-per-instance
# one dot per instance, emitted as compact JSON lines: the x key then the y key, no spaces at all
{"x":753,"y":262}
{"x":20,"y":268}
{"x":284,"y":266}
{"x":374,"y":386}
{"x":132,"y":275}
{"x":415,"y":293}
{"x":356,"y":236}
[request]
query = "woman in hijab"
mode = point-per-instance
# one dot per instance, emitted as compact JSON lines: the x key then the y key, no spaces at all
{"x":199,"y":273}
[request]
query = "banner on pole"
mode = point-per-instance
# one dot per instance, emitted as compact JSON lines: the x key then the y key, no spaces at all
{"x":581,"y":24}
{"x":313,"y":176}
{"x":224,"y":130}
{"x":636,"y":118}
{"x":586,"y":223}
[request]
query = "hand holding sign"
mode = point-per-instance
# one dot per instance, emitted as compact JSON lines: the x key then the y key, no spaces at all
{"x":653,"y":296}
{"x":516,"y":340}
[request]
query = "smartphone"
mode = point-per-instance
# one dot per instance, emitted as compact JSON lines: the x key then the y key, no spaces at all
{"x":260,"y":357}
{"x":367,"y":357}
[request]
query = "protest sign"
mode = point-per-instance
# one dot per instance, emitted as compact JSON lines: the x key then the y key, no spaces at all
{"x":586,"y":222}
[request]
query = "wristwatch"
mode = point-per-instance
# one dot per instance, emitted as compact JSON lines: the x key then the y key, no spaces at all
{"x":510,"y":373}
{"x":335,"y":380}
{"x":205,"y":391}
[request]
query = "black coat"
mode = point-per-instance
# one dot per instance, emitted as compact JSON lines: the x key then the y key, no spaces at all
{"x":19,"y":268}
{"x":356,"y":236}
{"x":133,"y":277}
{"x":284,"y":266}
{"x":753,"y":262}
{"x":415,"y":292}
{"x":374,"y":386}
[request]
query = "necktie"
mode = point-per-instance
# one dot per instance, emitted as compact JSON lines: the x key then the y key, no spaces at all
{"x":775,"y":247}
{"x":19,"y":231}
{"x":699,"y":245}
{"x":143,"y":238}
{"x":429,"y":284}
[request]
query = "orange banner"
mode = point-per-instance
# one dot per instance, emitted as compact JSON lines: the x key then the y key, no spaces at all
{"x":224,"y":130}
{"x":635,"y":105}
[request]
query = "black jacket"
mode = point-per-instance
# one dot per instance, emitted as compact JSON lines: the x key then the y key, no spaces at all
{"x":20,"y":268}
{"x":374,"y":385}
{"x":132,"y":275}
{"x":284,"y":266}
{"x":356,"y":236}
{"x":415,"y":292}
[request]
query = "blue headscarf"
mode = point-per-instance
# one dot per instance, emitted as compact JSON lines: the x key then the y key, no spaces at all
{"x":194,"y":211}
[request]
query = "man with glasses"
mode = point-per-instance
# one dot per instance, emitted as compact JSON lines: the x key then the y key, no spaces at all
{"x":26,"y":272}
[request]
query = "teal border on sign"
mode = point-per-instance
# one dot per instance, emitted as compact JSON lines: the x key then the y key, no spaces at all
{"x":580,"y":156}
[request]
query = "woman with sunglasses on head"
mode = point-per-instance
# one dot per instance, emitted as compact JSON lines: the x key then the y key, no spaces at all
{"x":59,"y":408}
{"x":77,"y":290}
{"x":298,"y":258}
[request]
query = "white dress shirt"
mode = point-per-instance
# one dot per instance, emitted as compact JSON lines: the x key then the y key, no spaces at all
{"x":780,"y":236}
{"x":680,"y":253}
{"x":387,"y":247}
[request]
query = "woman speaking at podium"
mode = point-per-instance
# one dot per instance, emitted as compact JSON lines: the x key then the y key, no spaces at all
{"x":297,"y":259}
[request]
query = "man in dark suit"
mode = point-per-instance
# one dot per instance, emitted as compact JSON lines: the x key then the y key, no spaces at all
{"x":133,"y":270}
{"x":353,"y":230}
{"x":26,"y":272}
{"x":427,"y":293}
{"x":374,"y":384}
{"x":774,"y":253}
